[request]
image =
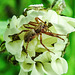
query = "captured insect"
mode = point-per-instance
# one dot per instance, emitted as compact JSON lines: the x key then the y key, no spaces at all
{"x":39,"y":27}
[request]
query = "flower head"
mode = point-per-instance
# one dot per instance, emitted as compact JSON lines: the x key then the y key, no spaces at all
{"x":38,"y":39}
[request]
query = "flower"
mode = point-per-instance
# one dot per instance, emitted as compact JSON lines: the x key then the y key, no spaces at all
{"x":37,"y":59}
{"x":47,"y":63}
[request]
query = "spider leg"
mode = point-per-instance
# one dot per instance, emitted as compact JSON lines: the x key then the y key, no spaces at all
{"x":28,"y":27}
{"x":54,"y":35}
{"x":27,"y":44}
{"x":38,"y":19}
{"x":22,"y":31}
{"x":33,"y":23}
{"x":16,"y":36}
{"x":29,"y":41}
{"x":43,"y":44}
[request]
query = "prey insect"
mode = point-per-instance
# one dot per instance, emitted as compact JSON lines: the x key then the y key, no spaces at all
{"x":37,"y":28}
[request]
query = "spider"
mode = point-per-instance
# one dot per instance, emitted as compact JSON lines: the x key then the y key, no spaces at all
{"x":36,"y":29}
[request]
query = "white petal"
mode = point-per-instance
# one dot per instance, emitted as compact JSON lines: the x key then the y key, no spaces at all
{"x":27,"y":64}
{"x":24,"y":20}
{"x":28,"y":59}
{"x":47,"y":41}
{"x":21,"y":58}
{"x":69,"y":20}
{"x":51,"y":16}
{"x":45,"y":57}
{"x":22,"y":72}
{"x":65,"y":65}
{"x":10,"y":32}
{"x":60,"y":44}
{"x":37,"y":70}
{"x":24,"y":58}
{"x":15,"y":47}
{"x":6,"y":38}
{"x":55,"y":56}
{"x":63,"y":27}
{"x":31,"y":47}
{"x":13,"y":22}
{"x":48,"y":69}
{"x":36,"y":13}
{"x":59,"y":66}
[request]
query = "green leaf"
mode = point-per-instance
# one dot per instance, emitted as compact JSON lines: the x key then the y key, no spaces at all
{"x":3,"y":26}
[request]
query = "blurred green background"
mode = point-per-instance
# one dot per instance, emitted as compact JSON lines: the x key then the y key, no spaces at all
{"x":8,"y":8}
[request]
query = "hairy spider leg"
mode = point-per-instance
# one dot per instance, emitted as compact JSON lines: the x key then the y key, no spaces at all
{"x":20,"y":32}
{"x":37,"y":22}
{"x":23,"y":31}
{"x":27,"y":44}
{"x":32,"y":23}
{"x":40,"y":20}
{"x":43,"y":44}
{"x":28,"y":27}
{"x":54,"y":35}
{"x":29,"y":41}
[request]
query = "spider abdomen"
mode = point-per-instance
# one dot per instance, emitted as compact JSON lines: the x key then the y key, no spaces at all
{"x":28,"y":35}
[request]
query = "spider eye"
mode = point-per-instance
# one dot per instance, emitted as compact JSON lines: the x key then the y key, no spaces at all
{"x":49,"y":24}
{"x":45,"y":22}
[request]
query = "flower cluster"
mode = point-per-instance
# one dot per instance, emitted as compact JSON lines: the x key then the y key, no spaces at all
{"x":37,"y":59}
